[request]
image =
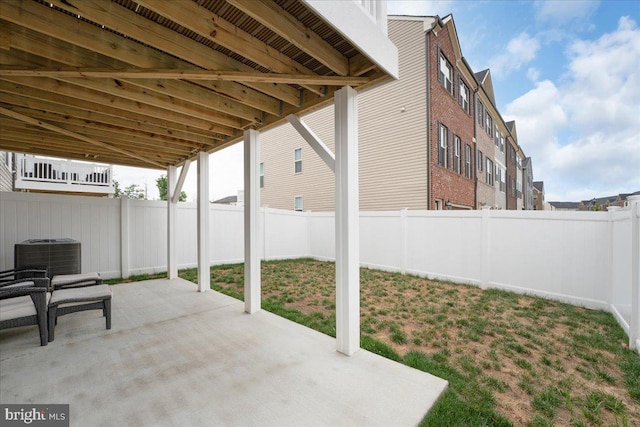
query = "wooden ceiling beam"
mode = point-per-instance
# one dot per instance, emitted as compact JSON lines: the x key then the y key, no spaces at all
{"x":97,"y":129}
{"x":35,"y":98}
{"x":163,"y":74}
{"x":77,"y":136}
{"x":101,"y":98}
{"x":286,"y":26}
{"x":29,"y":134}
{"x":139,"y":28}
{"x":53,"y":112}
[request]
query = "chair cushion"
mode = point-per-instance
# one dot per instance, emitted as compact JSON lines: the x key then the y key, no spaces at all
{"x":63,"y":279}
{"x":15,"y":308}
{"x":90,"y":293}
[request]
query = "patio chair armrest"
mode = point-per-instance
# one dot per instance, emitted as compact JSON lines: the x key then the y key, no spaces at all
{"x":40,"y":282}
{"x":37,"y":293}
{"x":23,"y":273}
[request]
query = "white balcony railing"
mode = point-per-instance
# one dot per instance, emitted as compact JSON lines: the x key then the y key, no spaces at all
{"x":48,"y":174}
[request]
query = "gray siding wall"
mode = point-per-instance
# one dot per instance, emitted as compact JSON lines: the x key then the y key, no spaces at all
{"x":393,"y":147}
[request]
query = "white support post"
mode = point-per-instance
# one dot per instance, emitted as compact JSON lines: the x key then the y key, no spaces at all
{"x":124,"y":237}
{"x":172,"y":208}
{"x":347,"y":222}
{"x":204,"y":281}
{"x":634,"y":326}
{"x":251,"y":221}
{"x":178,"y":187}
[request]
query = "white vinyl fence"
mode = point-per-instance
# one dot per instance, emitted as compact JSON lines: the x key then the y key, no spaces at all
{"x":584,"y":258}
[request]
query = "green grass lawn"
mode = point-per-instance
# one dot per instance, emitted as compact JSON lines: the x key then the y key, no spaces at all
{"x":510,"y":359}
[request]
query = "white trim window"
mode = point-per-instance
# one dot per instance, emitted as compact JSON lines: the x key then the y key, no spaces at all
{"x":297,"y":160}
{"x":480,"y":113}
{"x":489,"y":124}
{"x":443,"y":137}
{"x":457,"y":149}
{"x":297,"y":203}
{"x":463,"y":97}
{"x":489,"y":172}
{"x":445,"y":73}
{"x":262,"y":175}
{"x":467,"y":161}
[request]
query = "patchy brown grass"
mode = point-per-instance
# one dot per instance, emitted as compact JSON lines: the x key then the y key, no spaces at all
{"x":542,"y":362}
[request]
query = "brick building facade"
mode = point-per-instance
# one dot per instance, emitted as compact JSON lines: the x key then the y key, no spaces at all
{"x":451,"y":171}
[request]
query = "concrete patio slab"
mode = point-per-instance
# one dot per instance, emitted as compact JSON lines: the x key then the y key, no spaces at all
{"x":176,"y":357}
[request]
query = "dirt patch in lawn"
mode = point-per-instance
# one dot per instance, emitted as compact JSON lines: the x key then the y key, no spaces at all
{"x":540,"y":361}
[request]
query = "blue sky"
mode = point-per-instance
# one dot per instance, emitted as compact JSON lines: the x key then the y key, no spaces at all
{"x":568,"y":73}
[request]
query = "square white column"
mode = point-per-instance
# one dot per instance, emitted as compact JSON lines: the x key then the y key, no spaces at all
{"x":347,"y":222}
{"x":204,"y":281}
{"x":172,"y":263}
{"x":251,"y":221}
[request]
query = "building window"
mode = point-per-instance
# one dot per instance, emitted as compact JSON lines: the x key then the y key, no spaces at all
{"x":297,"y":160}
{"x":480,"y":113}
{"x":261,"y":175}
{"x":439,"y":205}
{"x":480,"y":162}
{"x":297,"y":203}
{"x":445,"y":74}
{"x":457,"y":148}
{"x":489,"y":172}
{"x":489,"y":125}
{"x":443,"y":139}
{"x":463,"y":97}
{"x":467,"y":161}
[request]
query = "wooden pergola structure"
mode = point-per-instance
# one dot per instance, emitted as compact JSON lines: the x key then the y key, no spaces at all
{"x":158,"y":84}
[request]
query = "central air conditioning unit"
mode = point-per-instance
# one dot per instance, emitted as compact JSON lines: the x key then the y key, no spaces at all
{"x":60,"y":256}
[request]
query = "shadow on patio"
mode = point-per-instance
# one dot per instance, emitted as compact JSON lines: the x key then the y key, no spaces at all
{"x":178,"y":357}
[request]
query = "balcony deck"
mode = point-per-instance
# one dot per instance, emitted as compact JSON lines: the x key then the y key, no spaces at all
{"x":178,"y":357}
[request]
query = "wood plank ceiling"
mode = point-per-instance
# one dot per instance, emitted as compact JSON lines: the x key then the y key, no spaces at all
{"x":150,"y":83}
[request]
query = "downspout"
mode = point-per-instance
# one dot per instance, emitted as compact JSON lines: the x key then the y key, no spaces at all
{"x":475,"y":148}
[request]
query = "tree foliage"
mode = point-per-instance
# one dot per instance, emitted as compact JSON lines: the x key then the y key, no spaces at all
{"x":161,"y":183}
{"x":133,"y":191}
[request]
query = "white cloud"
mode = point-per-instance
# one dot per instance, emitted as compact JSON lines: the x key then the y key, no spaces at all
{"x":519,"y":51}
{"x":533,"y":74}
{"x":583,"y":134}
{"x":560,"y":13}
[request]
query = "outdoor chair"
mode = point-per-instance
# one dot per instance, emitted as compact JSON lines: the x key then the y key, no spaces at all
{"x":78,"y":292}
{"x":24,"y":302}
{"x":23,"y":273}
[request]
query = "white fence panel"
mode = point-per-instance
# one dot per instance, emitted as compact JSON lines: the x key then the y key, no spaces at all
{"x":382,"y":240}
{"x":445,"y":245}
{"x":148,"y":236}
{"x":563,"y":255}
{"x":286,"y":234}
{"x":227,"y":234}
{"x":621,"y":267}
{"x":322,"y":235}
